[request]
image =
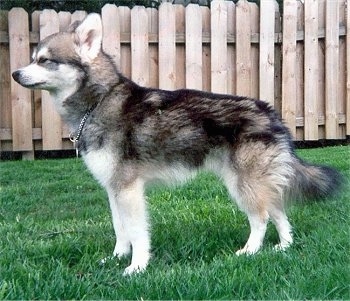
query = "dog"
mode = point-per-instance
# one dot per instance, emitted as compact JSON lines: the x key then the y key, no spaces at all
{"x":130,"y":135}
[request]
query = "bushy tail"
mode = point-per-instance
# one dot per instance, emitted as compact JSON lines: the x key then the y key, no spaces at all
{"x":314,"y":182}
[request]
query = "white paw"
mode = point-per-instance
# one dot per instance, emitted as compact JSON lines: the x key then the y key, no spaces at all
{"x":247,"y":251}
{"x":281,"y":247}
{"x":121,"y":249}
{"x":134,"y":269}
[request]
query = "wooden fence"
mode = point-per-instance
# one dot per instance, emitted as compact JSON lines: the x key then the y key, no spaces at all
{"x":297,"y":61}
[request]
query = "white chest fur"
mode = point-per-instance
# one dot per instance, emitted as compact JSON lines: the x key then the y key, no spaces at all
{"x":101,"y":164}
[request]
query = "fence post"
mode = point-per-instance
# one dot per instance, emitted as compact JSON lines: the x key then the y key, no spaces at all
{"x":21,"y":101}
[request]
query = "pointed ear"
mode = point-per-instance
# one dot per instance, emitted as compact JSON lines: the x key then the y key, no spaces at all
{"x":88,"y":37}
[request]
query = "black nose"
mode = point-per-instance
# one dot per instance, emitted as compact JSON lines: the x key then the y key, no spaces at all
{"x":16,"y":75}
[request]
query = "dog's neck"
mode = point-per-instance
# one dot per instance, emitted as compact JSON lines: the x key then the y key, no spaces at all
{"x":73,"y":103}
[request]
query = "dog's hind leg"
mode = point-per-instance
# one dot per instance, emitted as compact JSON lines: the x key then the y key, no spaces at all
{"x":257,"y":178}
{"x":258,"y":223}
{"x":249,"y":201}
{"x":284,"y":229}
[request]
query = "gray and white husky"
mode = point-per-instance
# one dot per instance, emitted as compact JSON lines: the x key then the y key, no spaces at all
{"x":130,"y":135}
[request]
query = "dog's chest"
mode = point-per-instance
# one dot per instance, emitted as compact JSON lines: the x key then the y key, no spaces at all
{"x":101,"y":164}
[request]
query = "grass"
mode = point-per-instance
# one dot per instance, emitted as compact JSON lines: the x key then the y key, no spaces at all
{"x":55,"y":226}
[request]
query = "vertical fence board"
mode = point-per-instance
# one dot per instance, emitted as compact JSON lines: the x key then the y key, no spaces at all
{"x":332,"y":67}
{"x":206,"y":62}
{"x":37,"y":113}
{"x":347,"y":119}
{"x":111,"y":32}
{"x":231,"y":51}
{"x":219,"y":46}
{"x":125,"y":49}
{"x":20,"y":96}
{"x":193,"y":47}
{"x":278,"y":63}
{"x":267,"y":51}
{"x":167,"y":48}
{"x":288,"y":65}
{"x":153,"y":48}
{"x":254,"y":51}
{"x":311,"y":70}
{"x":321,"y":68}
{"x":51,"y":121}
{"x":139,"y":46}
{"x":64,"y":19}
{"x":180,"y":47}
{"x":5,"y":85}
{"x":243,"y":48}
{"x":341,"y":99}
{"x":299,"y":75}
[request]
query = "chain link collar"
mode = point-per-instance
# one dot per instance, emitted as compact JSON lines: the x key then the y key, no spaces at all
{"x":74,"y":137}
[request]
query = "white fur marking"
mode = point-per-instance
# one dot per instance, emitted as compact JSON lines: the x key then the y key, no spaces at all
{"x":256,"y":237}
{"x":101,"y":164}
{"x":43,"y":52}
{"x":171,"y":175}
{"x":89,"y":34}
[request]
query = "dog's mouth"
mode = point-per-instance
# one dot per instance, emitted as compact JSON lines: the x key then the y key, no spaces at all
{"x":35,"y":85}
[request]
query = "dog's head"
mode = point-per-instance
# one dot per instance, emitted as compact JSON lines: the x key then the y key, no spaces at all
{"x":60,"y":60}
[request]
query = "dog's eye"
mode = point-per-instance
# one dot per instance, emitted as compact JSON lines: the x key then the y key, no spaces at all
{"x":43,"y":60}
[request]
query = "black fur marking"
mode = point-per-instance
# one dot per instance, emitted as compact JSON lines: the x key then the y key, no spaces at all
{"x":128,"y":146}
{"x":264,"y":106}
{"x":134,"y":108}
{"x":265,"y":137}
{"x":217,"y":131}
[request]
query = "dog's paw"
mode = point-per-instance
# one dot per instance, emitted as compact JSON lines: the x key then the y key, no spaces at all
{"x":121,"y":249}
{"x":134,"y":269}
{"x":247,"y":251}
{"x":281,"y":247}
{"x":243,"y":252}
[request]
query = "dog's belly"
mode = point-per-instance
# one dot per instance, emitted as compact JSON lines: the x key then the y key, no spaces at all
{"x":172,"y":174}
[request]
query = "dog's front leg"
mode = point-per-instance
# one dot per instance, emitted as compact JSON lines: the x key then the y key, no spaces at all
{"x":129,"y":214}
{"x":123,"y":244}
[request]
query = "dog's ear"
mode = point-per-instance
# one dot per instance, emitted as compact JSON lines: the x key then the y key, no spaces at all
{"x":88,"y":37}
{"x":73,"y":26}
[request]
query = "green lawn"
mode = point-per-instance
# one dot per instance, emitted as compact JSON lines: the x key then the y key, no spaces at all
{"x":55,"y":226}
